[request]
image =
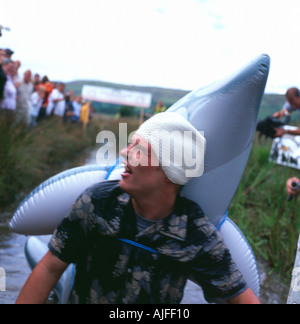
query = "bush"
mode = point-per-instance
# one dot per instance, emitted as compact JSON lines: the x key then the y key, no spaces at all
{"x":126,"y":111}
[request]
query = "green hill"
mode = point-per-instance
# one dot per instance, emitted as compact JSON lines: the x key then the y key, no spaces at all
{"x":270,"y":103}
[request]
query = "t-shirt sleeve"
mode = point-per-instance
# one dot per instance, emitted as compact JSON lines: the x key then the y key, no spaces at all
{"x":70,"y":240}
{"x":213,"y":268}
{"x":288,"y":107}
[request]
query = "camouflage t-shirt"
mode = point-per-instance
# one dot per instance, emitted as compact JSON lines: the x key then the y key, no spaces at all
{"x":117,"y":264}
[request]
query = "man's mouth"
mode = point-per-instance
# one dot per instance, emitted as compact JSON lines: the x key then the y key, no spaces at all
{"x":127,"y":172}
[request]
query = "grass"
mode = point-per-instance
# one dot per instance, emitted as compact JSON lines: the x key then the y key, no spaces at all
{"x":28,"y":158}
{"x":261,"y":210}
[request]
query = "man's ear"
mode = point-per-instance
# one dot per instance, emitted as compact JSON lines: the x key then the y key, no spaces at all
{"x":167,"y":180}
{"x":178,"y":187}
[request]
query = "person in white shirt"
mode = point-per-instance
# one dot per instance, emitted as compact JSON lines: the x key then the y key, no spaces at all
{"x":57,"y":102}
{"x":77,"y":104}
{"x":36,"y":101}
{"x":9,"y":103}
{"x":24,"y":92}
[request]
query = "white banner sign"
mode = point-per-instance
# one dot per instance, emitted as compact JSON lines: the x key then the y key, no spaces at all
{"x":286,"y":150}
{"x":117,"y":96}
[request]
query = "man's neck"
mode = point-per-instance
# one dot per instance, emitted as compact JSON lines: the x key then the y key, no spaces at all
{"x":156,"y":207}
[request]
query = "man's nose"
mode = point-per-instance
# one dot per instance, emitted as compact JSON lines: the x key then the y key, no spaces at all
{"x":125,"y":151}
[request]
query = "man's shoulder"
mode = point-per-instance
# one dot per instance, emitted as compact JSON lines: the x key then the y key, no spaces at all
{"x":197,"y":222}
{"x":190,"y":207}
{"x":104,"y":190}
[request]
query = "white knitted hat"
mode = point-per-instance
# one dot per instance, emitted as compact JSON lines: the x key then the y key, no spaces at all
{"x":177,"y":144}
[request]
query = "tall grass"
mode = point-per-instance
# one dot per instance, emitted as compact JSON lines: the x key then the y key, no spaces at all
{"x":29,"y":157}
{"x":260,"y":208}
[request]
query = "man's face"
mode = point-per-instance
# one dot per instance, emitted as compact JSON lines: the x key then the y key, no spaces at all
{"x":27,"y":76}
{"x":142,"y":173}
{"x":61,"y":88}
{"x":9,"y":69}
{"x":294,"y":102}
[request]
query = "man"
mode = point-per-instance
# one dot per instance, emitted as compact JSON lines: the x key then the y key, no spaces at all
{"x":36,"y":101}
{"x":292,"y":104}
{"x":270,"y":125}
{"x":24,"y":92}
{"x":138,"y":240}
{"x":57,"y":103}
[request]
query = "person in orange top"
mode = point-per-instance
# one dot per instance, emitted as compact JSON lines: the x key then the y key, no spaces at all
{"x":47,"y":85}
{"x":85,"y":114}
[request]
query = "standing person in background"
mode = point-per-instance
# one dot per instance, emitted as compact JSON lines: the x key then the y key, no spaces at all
{"x":2,"y":75}
{"x":36,"y":101}
{"x":9,"y":103}
{"x":16,"y":77}
{"x":159,"y":108}
{"x":85,"y":114}
{"x":48,"y":86}
{"x":36,"y":81}
{"x":24,"y":92}
{"x":57,"y":102}
{"x":69,"y":110}
{"x":77,"y":104}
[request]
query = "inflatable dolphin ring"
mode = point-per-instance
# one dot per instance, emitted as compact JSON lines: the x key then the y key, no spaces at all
{"x":227,"y":112}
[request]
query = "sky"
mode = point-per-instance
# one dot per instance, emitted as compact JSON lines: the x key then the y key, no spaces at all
{"x":182,"y":44}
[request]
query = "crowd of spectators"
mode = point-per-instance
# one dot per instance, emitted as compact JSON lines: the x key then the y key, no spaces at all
{"x":29,"y":99}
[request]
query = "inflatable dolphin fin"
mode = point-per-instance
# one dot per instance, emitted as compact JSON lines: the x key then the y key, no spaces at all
{"x":227,"y":112}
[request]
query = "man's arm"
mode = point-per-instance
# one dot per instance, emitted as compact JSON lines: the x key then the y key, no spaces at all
{"x":286,"y":110}
{"x":246,"y":297}
{"x":42,"y":280}
{"x":280,"y":132}
{"x":280,"y":114}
